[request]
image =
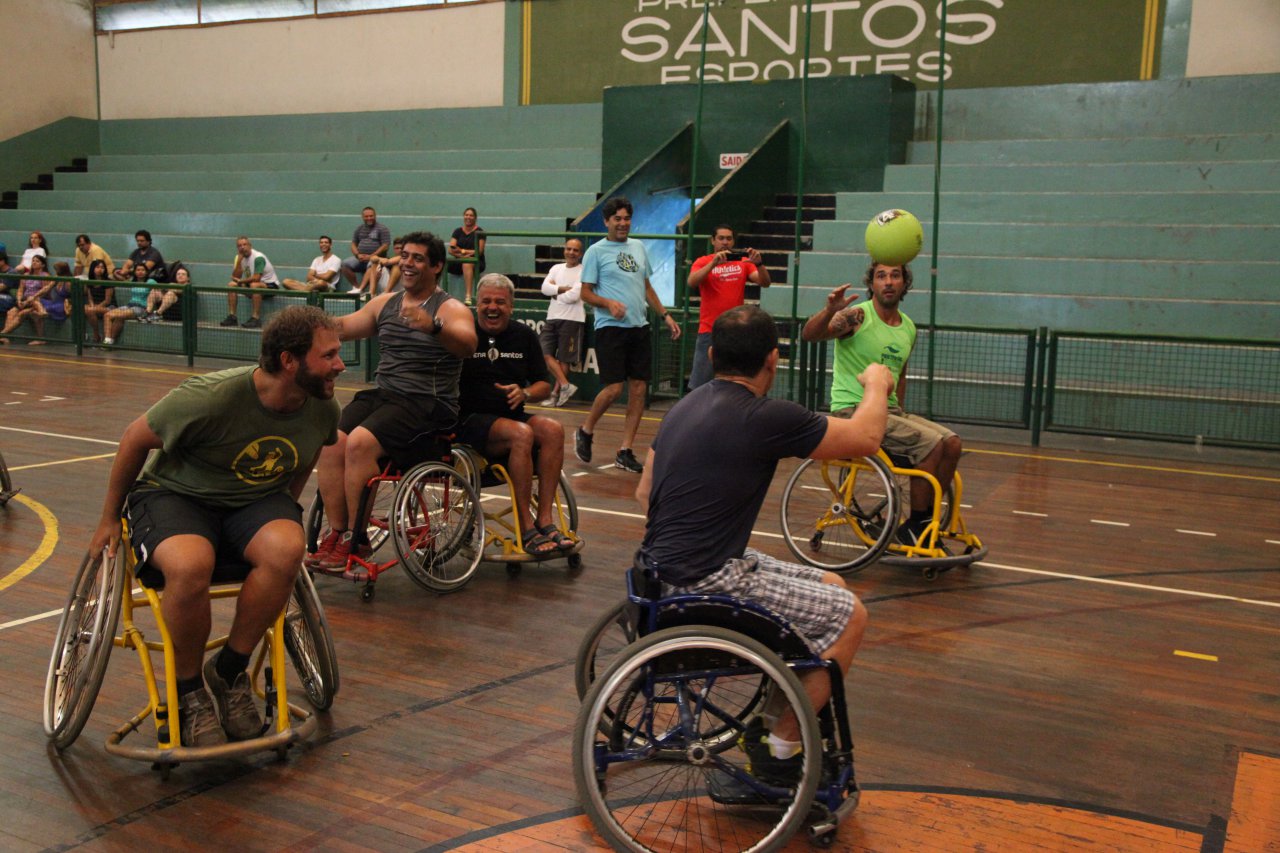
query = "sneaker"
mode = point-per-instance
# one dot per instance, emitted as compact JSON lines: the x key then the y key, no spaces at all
{"x":106,"y":342}
{"x":230,"y":320}
{"x":237,"y":710}
{"x":553,"y":399}
{"x":911,"y":534}
{"x":761,"y":762}
{"x":154,"y":317}
{"x":627,"y":461}
{"x":198,"y":720}
{"x":582,"y":444}
{"x":253,"y":323}
{"x":334,"y":561}
{"x":566,"y":394}
{"x":323,"y":547}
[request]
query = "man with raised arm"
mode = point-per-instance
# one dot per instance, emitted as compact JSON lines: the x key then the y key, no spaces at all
{"x":876,"y":331}
{"x":704,"y":482}
{"x":423,"y":336}
{"x":234,"y":450}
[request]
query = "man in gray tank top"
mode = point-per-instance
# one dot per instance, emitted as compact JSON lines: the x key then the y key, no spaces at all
{"x":423,"y":336}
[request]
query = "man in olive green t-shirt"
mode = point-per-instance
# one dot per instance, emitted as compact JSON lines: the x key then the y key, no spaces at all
{"x":233,"y":451}
{"x":877,"y":331}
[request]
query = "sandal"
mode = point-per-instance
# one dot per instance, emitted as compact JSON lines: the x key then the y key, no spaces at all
{"x":564,"y":543}
{"x":538,"y":544}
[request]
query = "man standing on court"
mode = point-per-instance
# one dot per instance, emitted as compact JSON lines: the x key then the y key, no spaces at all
{"x":876,"y":331}
{"x":423,"y":336}
{"x":371,"y":239}
{"x":615,"y":281}
{"x":704,"y":482}
{"x":234,"y":450}
{"x":721,"y":281}
{"x":561,"y":337}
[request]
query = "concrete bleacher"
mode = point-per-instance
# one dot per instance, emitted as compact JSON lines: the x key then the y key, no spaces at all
{"x":1140,"y":209}
{"x":197,"y":184}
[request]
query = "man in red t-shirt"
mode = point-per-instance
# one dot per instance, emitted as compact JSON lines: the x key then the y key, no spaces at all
{"x":721,"y":279}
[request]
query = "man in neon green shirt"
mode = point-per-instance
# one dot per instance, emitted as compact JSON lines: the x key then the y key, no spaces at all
{"x":876,"y":331}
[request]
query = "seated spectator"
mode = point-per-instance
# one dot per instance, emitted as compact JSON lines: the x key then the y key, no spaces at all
{"x":8,"y":286}
{"x":505,"y":372}
{"x":467,"y":242}
{"x":57,"y":302}
{"x":30,"y":304}
{"x":145,"y":254}
{"x":134,"y":309}
{"x":252,"y":270}
{"x":87,"y":252}
{"x":323,"y":273}
{"x":98,"y":298}
{"x":370,"y":240}
{"x":159,"y":301}
{"x":383,"y":274}
{"x":38,"y":246}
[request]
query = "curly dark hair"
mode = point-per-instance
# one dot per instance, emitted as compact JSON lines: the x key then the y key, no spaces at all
{"x":869,"y":275}
{"x":292,"y":330}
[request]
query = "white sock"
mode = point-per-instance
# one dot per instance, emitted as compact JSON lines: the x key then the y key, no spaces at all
{"x":783,"y":748}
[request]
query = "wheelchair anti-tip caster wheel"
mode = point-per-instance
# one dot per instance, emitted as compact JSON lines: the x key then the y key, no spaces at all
{"x":366,"y":594}
{"x":575,"y":561}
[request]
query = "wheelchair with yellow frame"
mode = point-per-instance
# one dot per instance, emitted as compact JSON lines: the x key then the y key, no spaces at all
{"x":503,"y":539}
{"x":106,"y":595}
{"x":843,"y":514}
{"x":431,"y":514}
{"x":672,"y":688}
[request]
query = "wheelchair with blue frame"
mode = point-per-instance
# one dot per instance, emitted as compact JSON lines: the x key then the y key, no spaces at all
{"x":6,"y":485}
{"x":103,"y":595}
{"x":843,"y":514}
{"x":503,"y":539}
{"x":669,"y":685}
{"x":431,"y":514}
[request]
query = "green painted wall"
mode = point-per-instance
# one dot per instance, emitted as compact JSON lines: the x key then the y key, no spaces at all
{"x":24,"y":157}
{"x":855,"y":126}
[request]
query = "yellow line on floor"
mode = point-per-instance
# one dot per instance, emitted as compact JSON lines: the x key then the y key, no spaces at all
{"x":1195,"y":655}
{"x":1129,"y":465}
{"x":43,"y":551}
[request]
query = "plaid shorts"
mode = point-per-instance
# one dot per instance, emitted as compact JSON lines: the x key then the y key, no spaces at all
{"x":819,"y":612}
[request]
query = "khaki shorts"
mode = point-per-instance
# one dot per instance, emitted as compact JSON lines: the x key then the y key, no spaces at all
{"x":909,"y":436}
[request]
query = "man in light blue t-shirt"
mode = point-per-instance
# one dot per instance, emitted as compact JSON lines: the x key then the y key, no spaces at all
{"x":615,"y":280}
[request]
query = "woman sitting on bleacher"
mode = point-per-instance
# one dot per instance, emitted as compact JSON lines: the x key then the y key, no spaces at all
{"x":29,"y":303}
{"x":38,"y":247}
{"x":98,"y":298}
{"x":135,"y":309}
{"x":160,"y":301}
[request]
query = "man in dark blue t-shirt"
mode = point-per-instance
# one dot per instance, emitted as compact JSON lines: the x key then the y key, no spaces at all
{"x":507,"y":371}
{"x":703,"y":484}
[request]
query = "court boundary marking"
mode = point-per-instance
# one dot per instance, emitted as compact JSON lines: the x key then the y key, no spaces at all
{"x":43,"y":551}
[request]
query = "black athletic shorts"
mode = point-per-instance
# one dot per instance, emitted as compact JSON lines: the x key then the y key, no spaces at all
{"x":473,"y":430}
{"x":623,"y":353}
{"x":407,"y":428}
{"x":156,"y":514}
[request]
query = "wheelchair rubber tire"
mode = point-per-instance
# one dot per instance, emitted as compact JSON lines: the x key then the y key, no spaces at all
{"x":832,"y":524}
{"x":641,"y":795}
{"x":614,"y":630}
{"x":82,"y":647}
{"x":437,"y":527}
{"x":310,"y":644}
{"x":377,"y":528}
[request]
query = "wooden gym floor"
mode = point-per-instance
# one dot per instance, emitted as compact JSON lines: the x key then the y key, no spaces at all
{"x":1108,"y":680}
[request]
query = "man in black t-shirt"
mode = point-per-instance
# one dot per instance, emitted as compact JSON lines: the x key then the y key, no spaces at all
{"x":705,"y":478}
{"x":145,"y":254}
{"x":507,"y":371}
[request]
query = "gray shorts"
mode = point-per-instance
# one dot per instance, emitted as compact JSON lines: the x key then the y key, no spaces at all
{"x":909,"y":436}
{"x":819,"y":612}
{"x":562,"y":340}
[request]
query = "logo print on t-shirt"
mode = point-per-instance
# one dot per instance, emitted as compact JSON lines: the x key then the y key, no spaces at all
{"x":628,"y":263}
{"x":266,"y":460}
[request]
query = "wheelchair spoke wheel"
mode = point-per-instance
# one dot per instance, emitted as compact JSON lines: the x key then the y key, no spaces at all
{"x":82,"y":647}
{"x":377,"y":525}
{"x":565,"y":513}
{"x":839,"y":515}
{"x":438,"y":528}
{"x":615,"y":629}
{"x":646,"y":771}
{"x":310,"y":645}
